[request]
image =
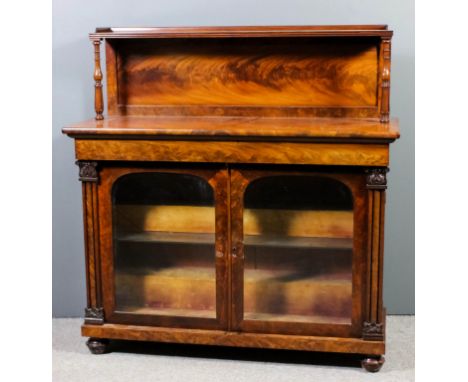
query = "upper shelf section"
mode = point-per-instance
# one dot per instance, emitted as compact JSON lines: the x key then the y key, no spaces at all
{"x":284,"y":71}
{"x":238,"y":128}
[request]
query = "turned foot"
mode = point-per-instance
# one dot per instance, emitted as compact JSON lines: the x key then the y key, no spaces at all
{"x":373,"y":363}
{"x":98,"y":345}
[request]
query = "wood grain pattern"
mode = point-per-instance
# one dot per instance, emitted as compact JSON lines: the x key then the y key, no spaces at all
{"x":238,"y":184}
{"x":245,"y":128}
{"x":260,"y":72}
{"x":223,"y":338}
{"x":363,"y":112}
{"x":233,"y":152}
{"x":219,"y":181}
{"x":111,"y":78}
{"x":375,"y":250}
{"x":88,"y":191}
{"x":380,"y":306}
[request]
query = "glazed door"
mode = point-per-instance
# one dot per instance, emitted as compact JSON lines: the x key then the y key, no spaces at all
{"x":298,"y":252}
{"x":163,"y":246}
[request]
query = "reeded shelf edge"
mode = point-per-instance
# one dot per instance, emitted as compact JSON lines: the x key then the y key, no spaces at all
{"x":243,"y":31}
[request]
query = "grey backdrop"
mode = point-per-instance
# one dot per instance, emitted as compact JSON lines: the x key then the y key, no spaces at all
{"x":73,"y":101}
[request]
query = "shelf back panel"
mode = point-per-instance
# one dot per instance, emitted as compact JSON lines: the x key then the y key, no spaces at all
{"x":334,"y":77}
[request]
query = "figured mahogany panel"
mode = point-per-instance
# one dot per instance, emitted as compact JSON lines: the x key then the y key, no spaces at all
{"x":238,"y":73}
{"x":233,"y":152}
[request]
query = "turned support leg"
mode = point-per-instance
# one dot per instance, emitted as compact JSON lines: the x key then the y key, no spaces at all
{"x":98,"y":345}
{"x":373,"y":363}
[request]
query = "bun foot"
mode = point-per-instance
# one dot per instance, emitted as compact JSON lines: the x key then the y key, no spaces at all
{"x":98,"y":345}
{"x":373,"y":363}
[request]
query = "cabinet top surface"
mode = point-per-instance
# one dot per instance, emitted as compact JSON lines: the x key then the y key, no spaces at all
{"x":243,"y":31}
{"x":237,"y":127}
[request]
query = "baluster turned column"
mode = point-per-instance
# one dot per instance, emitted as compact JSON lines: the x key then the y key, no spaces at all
{"x":385,"y":81}
{"x":98,"y":98}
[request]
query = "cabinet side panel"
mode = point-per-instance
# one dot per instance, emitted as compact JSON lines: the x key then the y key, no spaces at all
{"x":111,"y":77}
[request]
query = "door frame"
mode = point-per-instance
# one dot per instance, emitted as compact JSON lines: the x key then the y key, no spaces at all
{"x":217,"y":177}
{"x":240,"y":178}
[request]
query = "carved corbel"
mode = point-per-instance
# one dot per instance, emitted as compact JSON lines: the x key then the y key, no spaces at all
{"x":94,"y":316}
{"x":373,"y":331}
{"x":88,"y":171}
{"x":377,"y":178}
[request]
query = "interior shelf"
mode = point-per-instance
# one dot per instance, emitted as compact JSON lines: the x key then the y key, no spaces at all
{"x":295,"y":241}
{"x":256,"y":275}
{"x":253,"y":240}
{"x":199,"y":313}
{"x":168,"y":237}
{"x":247,"y":315}
{"x":269,"y":294}
{"x":316,"y":319}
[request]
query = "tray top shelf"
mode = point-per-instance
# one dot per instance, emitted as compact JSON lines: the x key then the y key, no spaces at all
{"x":299,"y":83}
{"x":244,"y":31}
{"x":237,"y":127}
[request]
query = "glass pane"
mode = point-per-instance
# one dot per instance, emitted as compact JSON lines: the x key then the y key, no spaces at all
{"x":164,"y":245}
{"x":298,"y":250}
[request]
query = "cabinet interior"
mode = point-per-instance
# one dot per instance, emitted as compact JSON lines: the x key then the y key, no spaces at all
{"x":298,"y":262}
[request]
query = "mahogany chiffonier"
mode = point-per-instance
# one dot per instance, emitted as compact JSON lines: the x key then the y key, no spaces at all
{"x":234,"y":192}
